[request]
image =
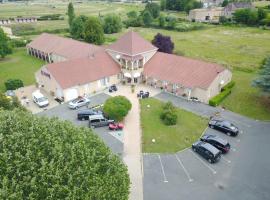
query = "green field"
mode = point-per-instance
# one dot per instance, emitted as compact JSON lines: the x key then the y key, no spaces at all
{"x":19,"y":65}
{"x":168,"y":139}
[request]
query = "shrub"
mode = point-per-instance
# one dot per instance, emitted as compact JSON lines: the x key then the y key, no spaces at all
{"x":117,"y":107}
{"x":216,"y":100}
{"x":18,"y":43}
{"x":13,"y":84}
{"x":169,"y":115}
{"x":43,"y":159}
{"x":51,"y":17}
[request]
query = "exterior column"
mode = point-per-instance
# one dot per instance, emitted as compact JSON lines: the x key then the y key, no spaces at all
{"x":189,"y":93}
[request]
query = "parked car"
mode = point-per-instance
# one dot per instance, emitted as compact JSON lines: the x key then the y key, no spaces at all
{"x":224,"y":126}
{"x":99,"y":121}
{"x":217,"y":142}
{"x":143,"y":94}
{"x":194,"y":99}
{"x":113,"y":88}
{"x":207,"y":151}
{"x":79,"y":102}
{"x":116,"y":126}
{"x":40,"y":99}
{"x":84,"y":114}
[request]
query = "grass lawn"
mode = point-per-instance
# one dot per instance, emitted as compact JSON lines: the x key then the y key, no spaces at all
{"x":245,"y":99}
{"x":19,"y":65}
{"x":169,"y":139}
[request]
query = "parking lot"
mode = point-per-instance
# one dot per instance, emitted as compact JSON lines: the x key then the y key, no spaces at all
{"x":243,"y":173}
{"x":113,"y":139}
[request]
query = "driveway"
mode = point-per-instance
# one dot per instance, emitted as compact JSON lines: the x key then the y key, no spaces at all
{"x":114,"y":140}
{"x":243,"y":173}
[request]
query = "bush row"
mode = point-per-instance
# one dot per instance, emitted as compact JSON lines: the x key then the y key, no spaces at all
{"x":60,"y":30}
{"x":51,"y":17}
{"x":225,"y":91}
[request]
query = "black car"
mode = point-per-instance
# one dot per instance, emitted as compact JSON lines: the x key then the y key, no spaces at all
{"x":217,"y":142}
{"x":84,"y":114}
{"x":207,"y":151}
{"x":224,"y":126}
{"x":143,"y":94}
{"x":112,"y":88}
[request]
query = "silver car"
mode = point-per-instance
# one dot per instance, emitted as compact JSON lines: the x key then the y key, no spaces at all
{"x":79,"y":102}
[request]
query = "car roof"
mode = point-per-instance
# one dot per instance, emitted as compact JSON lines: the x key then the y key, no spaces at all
{"x":215,"y":138}
{"x":98,"y":116}
{"x":210,"y":147}
{"x":37,"y":94}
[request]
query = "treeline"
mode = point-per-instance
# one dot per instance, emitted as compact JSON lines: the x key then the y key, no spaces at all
{"x":180,"y":5}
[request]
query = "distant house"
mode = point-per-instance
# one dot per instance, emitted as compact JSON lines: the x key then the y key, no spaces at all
{"x":4,"y":21}
{"x":211,"y":3}
{"x":75,"y":68}
{"x":206,"y":14}
{"x":212,"y":14}
{"x":25,"y":19}
{"x":232,"y":7}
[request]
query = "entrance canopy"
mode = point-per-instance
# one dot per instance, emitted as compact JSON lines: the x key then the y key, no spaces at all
{"x":127,"y":75}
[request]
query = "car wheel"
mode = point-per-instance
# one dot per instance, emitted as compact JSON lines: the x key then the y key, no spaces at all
{"x":194,"y":149}
{"x":209,"y":160}
{"x":83,"y":119}
{"x":228,"y":133}
{"x":211,"y":126}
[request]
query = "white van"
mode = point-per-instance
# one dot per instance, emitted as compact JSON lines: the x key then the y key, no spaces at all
{"x":39,"y":99}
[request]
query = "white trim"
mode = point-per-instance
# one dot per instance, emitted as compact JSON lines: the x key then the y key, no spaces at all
{"x":131,"y":54}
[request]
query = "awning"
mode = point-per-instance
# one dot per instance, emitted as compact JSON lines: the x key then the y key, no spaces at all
{"x":137,"y":74}
{"x":127,"y":75}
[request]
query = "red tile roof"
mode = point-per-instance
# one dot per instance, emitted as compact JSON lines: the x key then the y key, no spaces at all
{"x":131,"y":43}
{"x":182,"y":70}
{"x":83,"y":70}
{"x":66,"y":47}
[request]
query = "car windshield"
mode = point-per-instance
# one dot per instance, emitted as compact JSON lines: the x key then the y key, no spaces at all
{"x":42,"y":99}
{"x":227,"y":124}
{"x":76,"y":100}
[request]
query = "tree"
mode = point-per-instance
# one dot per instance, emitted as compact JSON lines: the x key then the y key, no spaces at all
{"x":13,"y":84}
{"x":262,"y":14}
{"x":112,"y":24}
{"x":71,"y":13}
{"x":5,"y":47}
{"x":161,"y":20}
{"x":225,"y":3}
{"x":263,"y":81}
{"x":132,"y":14}
{"x":93,"y":31}
{"x":162,"y":5}
{"x":45,"y":158}
{"x":147,"y":18}
{"x":246,"y":16}
{"x":10,"y":103}
{"x":171,"y":22}
{"x":163,"y":43}
{"x":153,"y":8}
{"x":77,"y":27}
{"x":117,"y":107}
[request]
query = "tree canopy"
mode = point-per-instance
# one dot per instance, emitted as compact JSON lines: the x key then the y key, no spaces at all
{"x":45,"y":158}
{"x":112,"y":24}
{"x":71,"y":13}
{"x":147,"y":18}
{"x":93,"y":31}
{"x":77,"y":27}
{"x":153,"y":8}
{"x":117,"y":107}
{"x":263,"y":81}
{"x":163,"y":43}
{"x":5,"y":47}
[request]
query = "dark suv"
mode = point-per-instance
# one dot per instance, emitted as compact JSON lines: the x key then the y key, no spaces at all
{"x":217,"y":142}
{"x":99,"y":121}
{"x":224,"y":126}
{"x":207,"y":151}
{"x":84,"y":114}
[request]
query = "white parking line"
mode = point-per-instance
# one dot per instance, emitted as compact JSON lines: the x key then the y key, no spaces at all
{"x":185,"y":170}
{"x":162,"y":168}
{"x":228,"y":161}
{"x":206,"y":165}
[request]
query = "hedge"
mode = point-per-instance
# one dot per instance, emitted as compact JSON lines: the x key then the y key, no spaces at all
{"x":216,"y":100}
{"x":13,"y":84}
{"x":229,"y":86}
{"x":225,"y":91}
